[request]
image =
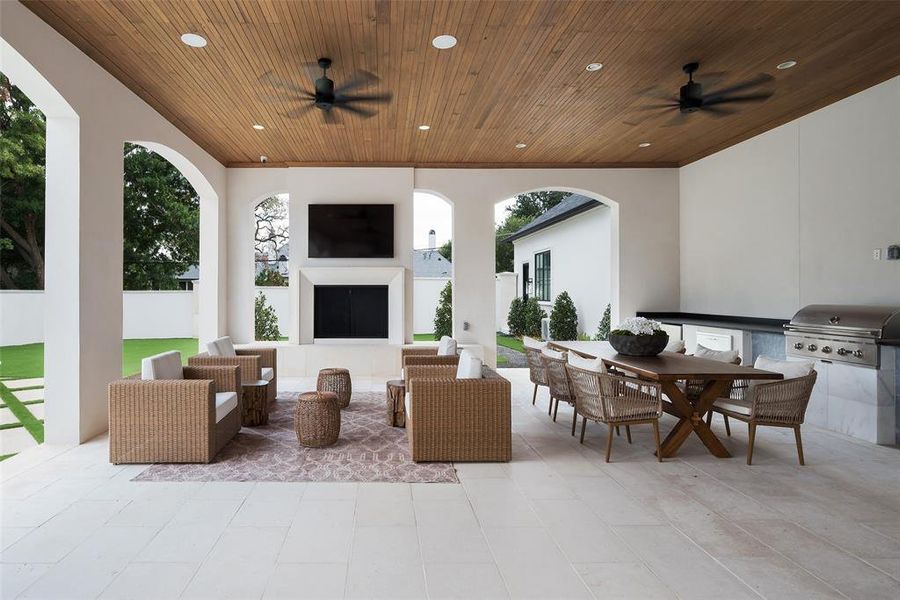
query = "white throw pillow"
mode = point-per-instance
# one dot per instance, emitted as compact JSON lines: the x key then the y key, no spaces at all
{"x":469,"y":366}
{"x":530,"y":342}
{"x":221,"y":347}
{"x":447,"y":346}
{"x":553,"y":354}
{"x":726,"y":356}
{"x":791,"y":369}
{"x":162,"y":366}
{"x":588,"y":364}
{"x":676,"y":346}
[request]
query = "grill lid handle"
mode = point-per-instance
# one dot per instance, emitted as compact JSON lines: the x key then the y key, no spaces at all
{"x":834,"y":320}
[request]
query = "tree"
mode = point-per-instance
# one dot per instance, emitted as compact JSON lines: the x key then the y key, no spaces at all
{"x":446,"y":250}
{"x":505,"y":251}
{"x":22,"y":173}
{"x":272,"y":229}
{"x":533,"y":204}
{"x":270,"y":277}
{"x":515,"y":319}
{"x":266,"y":320}
{"x":162,"y":222}
{"x":534,"y":315}
{"x":564,"y":318}
{"x":443,"y":314}
{"x":605,"y":324}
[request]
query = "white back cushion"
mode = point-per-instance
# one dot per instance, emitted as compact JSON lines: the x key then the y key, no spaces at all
{"x":553,"y":354}
{"x":719,"y":355}
{"x":469,"y":366}
{"x":530,"y":342}
{"x":162,"y":366}
{"x":221,"y":347}
{"x":588,"y":364}
{"x":675,"y":346}
{"x":791,"y":369}
{"x":447,"y":346}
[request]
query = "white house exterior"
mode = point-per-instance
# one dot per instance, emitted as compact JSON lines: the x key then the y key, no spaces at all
{"x":576,"y":235}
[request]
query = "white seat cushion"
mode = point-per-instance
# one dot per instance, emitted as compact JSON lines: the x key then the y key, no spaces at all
{"x":407,"y":408}
{"x":741,"y":407}
{"x":553,"y":354}
{"x":530,"y":342}
{"x":221,"y":347}
{"x":469,"y":366}
{"x":162,"y":366}
{"x":267,"y":373}
{"x":726,"y":356}
{"x":588,"y":364}
{"x":447,"y":346}
{"x":791,"y":369}
{"x":225,"y":403}
{"x":675,"y":346}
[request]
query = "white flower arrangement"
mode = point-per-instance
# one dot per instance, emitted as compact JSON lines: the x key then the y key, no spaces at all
{"x":638,"y":326}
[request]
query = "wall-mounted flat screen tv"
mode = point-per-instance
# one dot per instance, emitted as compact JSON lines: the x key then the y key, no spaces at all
{"x":351,"y":230}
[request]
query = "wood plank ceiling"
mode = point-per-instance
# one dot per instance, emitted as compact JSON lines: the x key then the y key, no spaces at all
{"x":517,"y":75}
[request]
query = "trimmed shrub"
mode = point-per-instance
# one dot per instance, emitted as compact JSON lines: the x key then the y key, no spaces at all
{"x":563,"y":319}
{"x":266,"y":320}
{"x":534,"y":314}
{"x":271,"y":277}
{"x":443,"y":314}
{"x":515,"y":320}
{"x":605,"y":324}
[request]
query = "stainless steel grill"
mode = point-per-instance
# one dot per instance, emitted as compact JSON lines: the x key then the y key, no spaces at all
{"x":842,"y":333}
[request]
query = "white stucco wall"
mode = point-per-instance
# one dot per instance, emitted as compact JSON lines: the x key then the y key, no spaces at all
{"x":580,"y":262}
{"x":792,"y":216}
{"x":426,"y":295}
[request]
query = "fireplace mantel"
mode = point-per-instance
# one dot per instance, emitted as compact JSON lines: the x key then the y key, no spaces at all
{"x":302,"y":299}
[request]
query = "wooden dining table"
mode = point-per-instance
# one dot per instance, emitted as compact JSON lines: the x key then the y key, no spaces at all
{"x":669,"y":368}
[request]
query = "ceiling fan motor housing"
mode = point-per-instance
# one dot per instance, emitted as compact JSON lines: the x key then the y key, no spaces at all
{"x":324,"y":93}
{"x":690,"y":97}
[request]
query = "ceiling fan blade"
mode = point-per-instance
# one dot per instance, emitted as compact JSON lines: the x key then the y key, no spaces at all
{"x":300,"y":111}
{"x":363,"y":112}
{"x":671,"y":104}
{"x":269,"y":78}
{"x":380,"y":98}
{"x":287,"y":97}
{"x":331,"y":117}
{"x":745,"y":98}
{"x":677,"y":120}
{"x":761,"y":79}
{"x":718,"y":111}
{"x":358,"y":80}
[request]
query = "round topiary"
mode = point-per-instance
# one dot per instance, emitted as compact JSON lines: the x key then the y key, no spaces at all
{"x":564,"y":318}
{"x":515,"y":319}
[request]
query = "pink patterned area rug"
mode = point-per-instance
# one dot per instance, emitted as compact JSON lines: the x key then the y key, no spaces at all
{"x":368,"y":450}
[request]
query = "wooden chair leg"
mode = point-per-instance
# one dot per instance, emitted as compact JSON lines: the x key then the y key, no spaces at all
{"x":583,"y":425}
{"x":555,"y":410}
{"x":656,"y":437}
{"x":609,"y":437}
{"x":574,"y":420}
{"x":534,"y":396}
{"x":617,"y":430}
{"x":752,"y":427}
{"x":628,"y":433}
{"x":799,"y":444}
{"x":550,"y":408}
{"x":727,"y":426}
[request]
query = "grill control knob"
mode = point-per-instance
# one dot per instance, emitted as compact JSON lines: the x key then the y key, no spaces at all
{"x":826,"y":349}
{"x":812,"y":347}
{"x":798,"y":345}
{"x":842,"y":351}
{"x":857,"y":353}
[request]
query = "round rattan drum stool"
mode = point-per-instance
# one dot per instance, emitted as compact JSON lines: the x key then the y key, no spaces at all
{"x":337,"y":381}
{"x":317,"y":419}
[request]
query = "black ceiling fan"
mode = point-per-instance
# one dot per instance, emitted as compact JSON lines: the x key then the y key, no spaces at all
{"x":326,"y":96}
{"x":691,"y":98}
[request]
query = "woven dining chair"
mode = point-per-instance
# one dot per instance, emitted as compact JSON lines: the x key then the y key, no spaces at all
{"x":537,"y":373}
{"x":560,"y":386}
{"x":616,"y":400}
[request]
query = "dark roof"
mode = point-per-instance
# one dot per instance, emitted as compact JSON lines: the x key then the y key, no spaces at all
{"x":569,"y":207}
{"x":429,"y":263}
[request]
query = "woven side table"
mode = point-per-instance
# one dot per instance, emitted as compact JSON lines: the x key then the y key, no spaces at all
{"x":337,"y":381}
{"x":317,"y":419}
{"x":396,"y":412}
{"x":255,"y":404}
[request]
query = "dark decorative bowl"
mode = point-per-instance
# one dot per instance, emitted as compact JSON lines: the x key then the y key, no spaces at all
{"x":639,"y":345}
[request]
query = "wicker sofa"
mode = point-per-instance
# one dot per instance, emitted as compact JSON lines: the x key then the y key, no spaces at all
{"x":461,"y":420}
{"x":181,"y":415}
{"x":257,"y":365}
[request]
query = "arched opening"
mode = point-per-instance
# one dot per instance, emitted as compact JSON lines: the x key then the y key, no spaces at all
{"x":555,"y":268}
{"x":432,"y":266}
{"x":271,"y":274}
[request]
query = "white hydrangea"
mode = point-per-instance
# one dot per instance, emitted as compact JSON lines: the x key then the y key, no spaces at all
{"x":640,"y":326}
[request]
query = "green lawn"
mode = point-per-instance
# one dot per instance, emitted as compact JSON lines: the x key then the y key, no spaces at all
{"x":510,"y":342}
{"x":26,"y":361}
{"x":423,"y":337}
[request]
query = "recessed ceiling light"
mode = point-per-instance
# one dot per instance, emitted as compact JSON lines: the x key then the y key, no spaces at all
{"x":644,"y":145}
{"x":424,"y":127}
{"x":258,"y":127}
{"x":443,"y":42}
{"x":786,"y":65}
{"x":520,"y":145}
{"x":594,"y":67}
{"x":193,"y":40}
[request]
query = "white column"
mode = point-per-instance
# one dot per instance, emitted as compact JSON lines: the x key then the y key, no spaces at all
{"x":213,"y":267}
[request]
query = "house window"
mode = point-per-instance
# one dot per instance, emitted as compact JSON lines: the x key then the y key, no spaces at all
{"x":542,"y":275}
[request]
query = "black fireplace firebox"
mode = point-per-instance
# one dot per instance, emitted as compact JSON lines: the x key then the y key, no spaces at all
{"x":350,"y":311}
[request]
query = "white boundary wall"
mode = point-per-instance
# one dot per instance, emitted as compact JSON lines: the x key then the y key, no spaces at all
{"x":426,"y":295}
{"x":280,"y":299}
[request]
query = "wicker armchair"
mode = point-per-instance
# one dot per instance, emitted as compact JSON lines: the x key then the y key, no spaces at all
{"x":172,"y":420}
{"x":777,"y":404}
{"x":560,"y":386}
{"x":449,"y":419}
{"x":536,"y":371}
{"x":616,"y":401}
{"x":258,"y":366}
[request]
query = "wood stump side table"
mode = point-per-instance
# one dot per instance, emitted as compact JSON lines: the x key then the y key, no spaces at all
{"x":337,"y":381}
{"x":254,"y":403}
{"x":317,"y":419}
{"x":396,"y":412}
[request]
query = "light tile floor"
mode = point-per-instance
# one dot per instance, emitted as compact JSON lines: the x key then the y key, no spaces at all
{"x":557,"y":522}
